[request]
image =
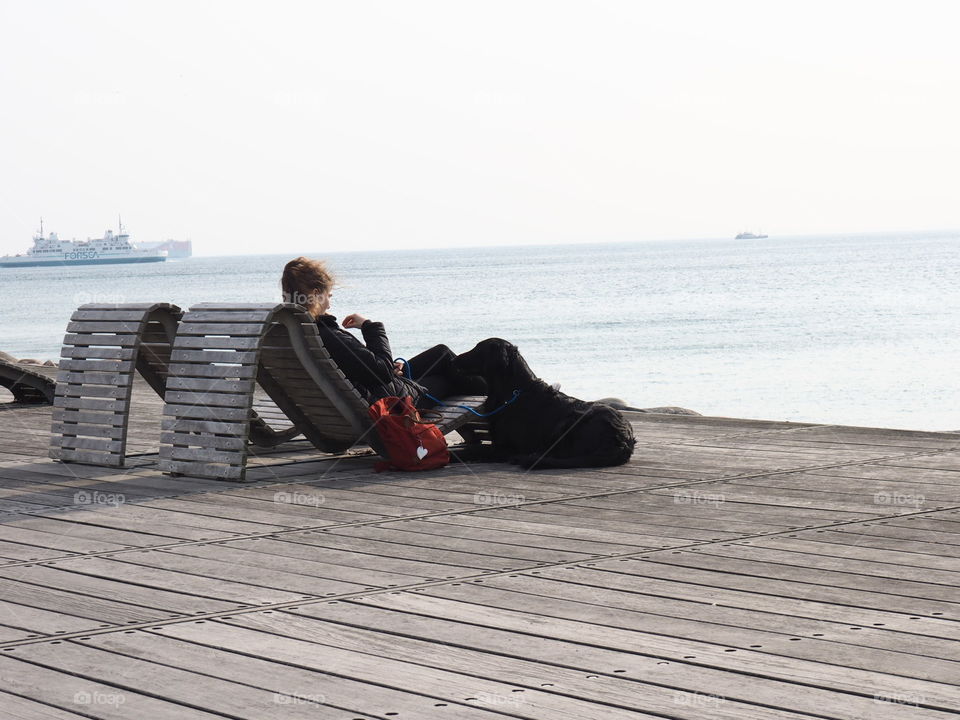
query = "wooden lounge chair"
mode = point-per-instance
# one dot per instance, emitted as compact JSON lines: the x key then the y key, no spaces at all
{"x":104,"y":345}
{"x":28,"y":386}
{"x":222,"y":351}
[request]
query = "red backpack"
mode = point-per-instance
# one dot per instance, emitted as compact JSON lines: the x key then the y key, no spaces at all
{"x":411,"y":443}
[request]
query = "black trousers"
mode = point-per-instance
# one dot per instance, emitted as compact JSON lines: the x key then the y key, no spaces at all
{"x":433,"y":368}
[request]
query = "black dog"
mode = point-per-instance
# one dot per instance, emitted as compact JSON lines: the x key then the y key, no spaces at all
{"x":543,"y":428}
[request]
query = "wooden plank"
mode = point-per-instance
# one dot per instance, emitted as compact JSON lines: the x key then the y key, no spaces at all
{"x":440,"y":684}
{"x":110,"y":418}
{"x":91,"y":340}
{"x":69,"y":525}
{"x":526,"y":554}
{"x":89,"y":403}
{"x":215,"y":385}
{"x":394,"y":550}
{"x":106,"y":431}
{"x":194,"y":591}
{"x":862,"y":537}
{"x":810,"y":576}
{"x":92,"y":391}
{"x":158,"y":523}
{"x":203,"y":455}
{"x":823,"y":562}
{"x":20,"y":708}
{"x":302,"y":560}
{"x":34,"y":622}
{"x":623,"y":690}
{"x":87,"y":598}
{"x":214,"y":343}
{"x":89,"y":457}
{"x":673,"y":650}
{"x":439,"y":527}
{"x":269,"y":689}
{"x":191,"y":326}
{"x":94,"y":378}
{"x":688,"y":681}
{"x":207,"y":357}
{"x":204,"y":440}
{"x":785,"y":589}
{"x":185,"y":425}
{"x":205,"y":412}
{"x":211,"y":399}
{"x":770,"y":628}
{"x":84,"y":352}
{"x":72,"y":442}
{"x":82,"y":366}
{"x":314,"y":512}
{"x":203,"y":470}
{"x":186,"y":370}
{"x":263,"y":581}
{"x":68,"y":692}
{"x":268,"y":518}
{"x":853,"y":551}
{"x":234,"y":307}
{"x":228,"y":316}
{"x":12,"y":552}
{"x":118,"y":327}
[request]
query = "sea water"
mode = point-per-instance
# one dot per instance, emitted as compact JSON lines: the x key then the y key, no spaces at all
{"x":859,"y":330}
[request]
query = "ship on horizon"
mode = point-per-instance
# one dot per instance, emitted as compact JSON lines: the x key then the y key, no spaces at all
{"x":176,"y":249}
{"x":110,"y":249}
{"x":746,"y":235}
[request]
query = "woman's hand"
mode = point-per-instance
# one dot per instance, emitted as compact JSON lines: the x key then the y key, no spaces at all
{"x":353,"y":321}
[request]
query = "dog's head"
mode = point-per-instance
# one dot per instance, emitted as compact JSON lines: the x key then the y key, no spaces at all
{"x":492,"y":357}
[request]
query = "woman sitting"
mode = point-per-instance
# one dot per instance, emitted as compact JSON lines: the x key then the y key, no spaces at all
{"x":369,"y":365}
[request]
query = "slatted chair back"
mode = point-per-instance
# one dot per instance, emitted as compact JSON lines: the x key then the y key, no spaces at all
{"x":27,"y":386}
{"x":220,"y":351}
{"x":104,"y":345}
{"x":209,"y":400}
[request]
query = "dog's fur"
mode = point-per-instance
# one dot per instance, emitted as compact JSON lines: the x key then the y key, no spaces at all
{"x":544,"y":428}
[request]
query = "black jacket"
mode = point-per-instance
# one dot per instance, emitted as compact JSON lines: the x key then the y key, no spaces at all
{"x":368,"y":366}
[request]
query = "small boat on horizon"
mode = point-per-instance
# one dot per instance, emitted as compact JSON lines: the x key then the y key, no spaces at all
{"x":745,"y":235}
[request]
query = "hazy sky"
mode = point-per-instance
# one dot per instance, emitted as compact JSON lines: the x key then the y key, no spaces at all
{"x":298,"y":127}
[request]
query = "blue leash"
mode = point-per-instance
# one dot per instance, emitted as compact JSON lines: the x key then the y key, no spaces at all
{"x":516,"y":394}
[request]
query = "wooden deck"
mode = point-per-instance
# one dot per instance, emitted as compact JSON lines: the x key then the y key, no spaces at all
{"x":734,"y":569}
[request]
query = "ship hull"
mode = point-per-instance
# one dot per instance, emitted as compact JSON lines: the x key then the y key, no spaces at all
{"x":92,"y":261}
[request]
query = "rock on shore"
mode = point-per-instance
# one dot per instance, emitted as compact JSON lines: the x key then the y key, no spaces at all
{"x":7,"y":357}
{"x":619,"y":404}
